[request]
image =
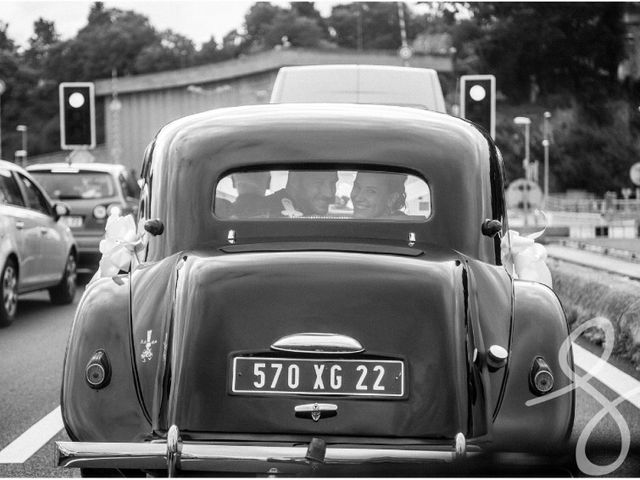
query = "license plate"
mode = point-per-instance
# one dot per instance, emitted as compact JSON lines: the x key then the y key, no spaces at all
{"x":309,"y":376}
{"x":71,"y":221}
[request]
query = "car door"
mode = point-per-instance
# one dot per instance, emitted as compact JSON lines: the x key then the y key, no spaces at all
{"x":21,"y":229}
{"x":52,"y":245}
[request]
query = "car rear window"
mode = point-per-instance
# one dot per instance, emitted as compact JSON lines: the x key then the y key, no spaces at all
{"x":329,"y":194}
{"x":76,"y":185}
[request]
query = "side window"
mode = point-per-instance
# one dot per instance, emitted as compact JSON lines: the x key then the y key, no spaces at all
{"x":35,"y":199}
{"x":9,"y":190}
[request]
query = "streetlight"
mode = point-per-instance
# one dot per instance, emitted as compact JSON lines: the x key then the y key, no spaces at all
{"x":2,"y":89}
{"x":23,"y":130}
{"x":526,"y":121}
{"x":545,"y":144}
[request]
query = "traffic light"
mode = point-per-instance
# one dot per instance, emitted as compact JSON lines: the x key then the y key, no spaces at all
{"x":77,"y":116}
{"x":478,"y":100}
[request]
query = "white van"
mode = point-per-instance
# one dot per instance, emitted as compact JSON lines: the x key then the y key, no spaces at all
{"x":418,"y":87}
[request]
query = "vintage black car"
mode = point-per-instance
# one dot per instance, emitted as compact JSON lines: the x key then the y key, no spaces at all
{"x":345,"y":312}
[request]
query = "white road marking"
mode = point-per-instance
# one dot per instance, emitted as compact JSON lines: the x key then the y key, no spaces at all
{"x":27,"y":444}
{"x":36,"y":437}
{"x":607,"y":374}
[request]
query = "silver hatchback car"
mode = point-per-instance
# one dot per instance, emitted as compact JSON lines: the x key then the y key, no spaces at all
{"x":36,"y":252}
{"x":92,"y":191}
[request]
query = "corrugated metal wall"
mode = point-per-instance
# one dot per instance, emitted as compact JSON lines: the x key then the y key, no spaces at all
{"x":130,"y":128}
{"x":147,"y":102}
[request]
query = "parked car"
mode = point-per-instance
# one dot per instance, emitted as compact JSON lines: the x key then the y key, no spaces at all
{"x":92,"y":191}
{"x":350,"y":314}
{"x":36,"y":252}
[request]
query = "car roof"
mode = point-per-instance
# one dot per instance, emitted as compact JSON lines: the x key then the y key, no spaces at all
{"x":286,"y":126}
{"x":10,"y":165}
{"x":63,"y":167}
{"x":458,"y":160}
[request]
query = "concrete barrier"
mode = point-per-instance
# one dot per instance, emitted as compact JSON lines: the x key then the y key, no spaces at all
{"x":586,"y":294}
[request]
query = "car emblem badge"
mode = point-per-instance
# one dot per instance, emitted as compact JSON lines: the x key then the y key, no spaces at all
{"x":147,"y":354}
{"x":316,"y":411}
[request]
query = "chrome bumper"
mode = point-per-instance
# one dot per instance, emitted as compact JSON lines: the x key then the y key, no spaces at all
{"x":203,"y":457}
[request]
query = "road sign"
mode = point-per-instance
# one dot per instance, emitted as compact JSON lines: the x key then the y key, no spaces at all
{"x":523,"y":194}
{"x":405,"y":52}
{"x":634,"y":173}
{"x":478,"y":100}
{"x":77,"y":115}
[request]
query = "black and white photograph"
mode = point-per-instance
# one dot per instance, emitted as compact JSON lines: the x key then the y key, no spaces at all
{"x":319,"y":239}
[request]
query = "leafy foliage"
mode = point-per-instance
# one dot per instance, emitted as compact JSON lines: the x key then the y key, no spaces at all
{"x":555,"y":42}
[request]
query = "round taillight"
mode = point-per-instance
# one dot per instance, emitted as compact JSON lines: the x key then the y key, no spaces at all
{"x":543,"y":381}
{"x":96,"y":374}
{"x":98,"y":370}
{"x":100,"y":212}
{"x":541,"y":377}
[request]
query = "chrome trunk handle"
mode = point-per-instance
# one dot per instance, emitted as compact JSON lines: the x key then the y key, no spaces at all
{"x":318,"y":343}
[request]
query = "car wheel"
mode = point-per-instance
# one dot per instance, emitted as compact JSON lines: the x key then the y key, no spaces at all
{"x":8,"y":293}
{"x":65,"y":291}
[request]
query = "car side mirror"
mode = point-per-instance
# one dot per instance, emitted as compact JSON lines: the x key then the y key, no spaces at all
{"x":60,"y":210}
{"x":155,"y":227}
{"x":491,"y":227}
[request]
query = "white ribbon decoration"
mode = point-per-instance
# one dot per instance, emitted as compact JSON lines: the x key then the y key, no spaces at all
{"x":120,"y":245}
{"x":289,"y":209}
{"x":524,"y":258}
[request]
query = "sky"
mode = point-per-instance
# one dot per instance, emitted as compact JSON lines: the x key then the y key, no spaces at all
{"x":195,"y":19}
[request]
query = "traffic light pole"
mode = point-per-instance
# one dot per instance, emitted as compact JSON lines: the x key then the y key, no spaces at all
{"x":478,"y":101}
{"x":77,"y":116}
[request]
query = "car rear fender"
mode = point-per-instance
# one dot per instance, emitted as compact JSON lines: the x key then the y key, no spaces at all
{"x":153,"y":292}
{"x":540,"y":329}
{"x":114,"y":412}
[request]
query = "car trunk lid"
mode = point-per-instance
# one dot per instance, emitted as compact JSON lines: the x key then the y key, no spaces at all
{"x":374,"y":344}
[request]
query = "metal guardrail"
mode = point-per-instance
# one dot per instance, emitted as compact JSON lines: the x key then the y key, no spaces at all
{"x":593,"y":205}
{"x":603,"y":250}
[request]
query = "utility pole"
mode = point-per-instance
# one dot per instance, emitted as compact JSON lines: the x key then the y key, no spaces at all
{"x":114,"y":108}
{"x":2,"y":89}
{"x":545,"y":145}
{"x":359,"y":41}
{"x":405,"y":51}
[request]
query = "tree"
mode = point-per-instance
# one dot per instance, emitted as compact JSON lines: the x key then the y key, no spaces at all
{"x":267,"y":25}
{"x":112,"y":39}
{"x":593,"y":158}
{"x":43,"y":39}
{"x":6,"y":44}
{"x":366,"y":25}
{"x":169,"y":52}
{"x":211,"y":52}
{"x":555,"y":43}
